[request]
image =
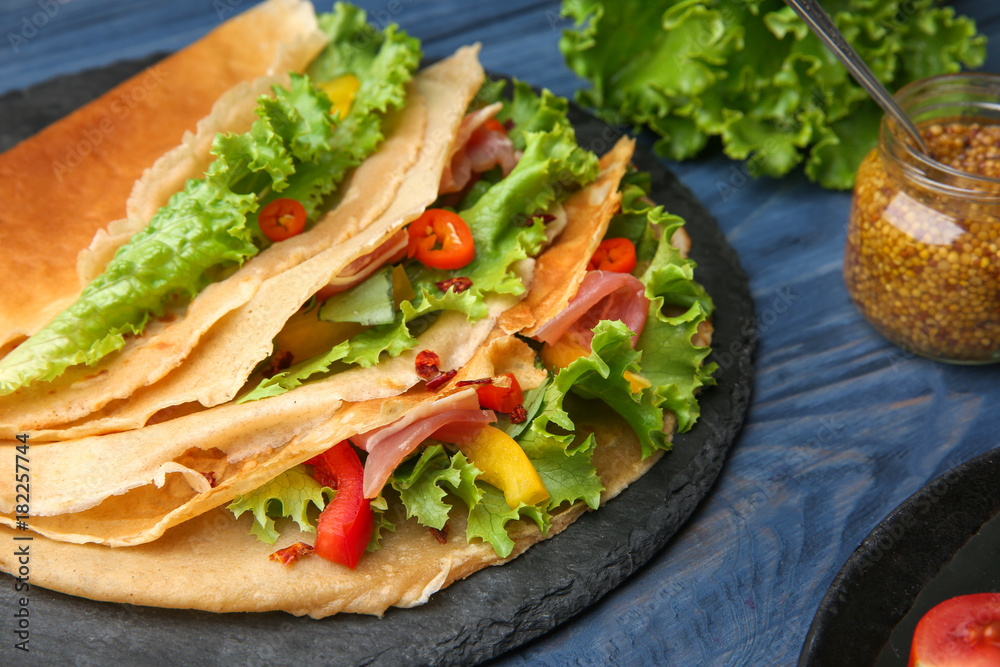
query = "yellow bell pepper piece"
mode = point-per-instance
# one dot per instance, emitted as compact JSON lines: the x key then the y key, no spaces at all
{"x":305,"y":335}
{"x":636,"y":382}
{"x":506,"y":466}
{"x":341,"y":91}
{"x":402,"y":290}
{"x":562,"y":353}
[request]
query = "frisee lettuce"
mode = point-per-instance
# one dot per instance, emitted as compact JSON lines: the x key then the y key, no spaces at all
{"x":751,"y":72}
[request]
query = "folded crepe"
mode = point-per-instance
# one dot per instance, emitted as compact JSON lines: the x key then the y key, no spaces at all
{"x":177,"y":360}
{"x":155,"y":489}
{"x":78,"y":173}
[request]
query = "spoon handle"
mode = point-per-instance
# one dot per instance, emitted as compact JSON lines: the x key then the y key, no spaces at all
{"x":823,"y":27}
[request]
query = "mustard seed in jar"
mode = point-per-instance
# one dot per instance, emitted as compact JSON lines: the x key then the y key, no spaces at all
{"x":922,"y":261}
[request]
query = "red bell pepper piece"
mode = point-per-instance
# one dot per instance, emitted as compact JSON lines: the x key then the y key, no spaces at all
{"x":346,"y":524}
{"x":614,"y":254}
{"x":501,"y":392}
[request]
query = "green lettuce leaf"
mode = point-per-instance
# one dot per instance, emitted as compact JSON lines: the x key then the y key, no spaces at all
{"x":424,"y":481}
{"x":501,"y":221}
{"x":600,"y":375}
{"x":530,"y":112}
{"x":569,"y":474}
{"x":383,"y":63}
{"x":296,"y":375}
{"x":670,"y":360}
{"x":427,"y":485}
{"x":380,"y":507}
{"x":288,"y":495}
{"x":368,"y":303}
{"x":752,"y":73}
{"x":489,"y":517}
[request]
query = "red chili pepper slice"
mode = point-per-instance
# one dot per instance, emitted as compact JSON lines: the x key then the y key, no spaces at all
{"x":615,"y":254}
{"x":345,"y":525}
{"x":440,"y":239}
{"x":458,"y":284}
{"x":427,"y":364}
{"x":501,"y":393}
{"x":282,"y":219}
{"x":439,"y":381}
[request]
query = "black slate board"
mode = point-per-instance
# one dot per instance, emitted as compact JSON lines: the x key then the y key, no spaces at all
{"x":492,"y":611}
{"x":942,"y":542}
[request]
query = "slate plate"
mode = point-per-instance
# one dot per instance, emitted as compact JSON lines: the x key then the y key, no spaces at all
{"x":492,"y":611}
{"x":942,"y":542}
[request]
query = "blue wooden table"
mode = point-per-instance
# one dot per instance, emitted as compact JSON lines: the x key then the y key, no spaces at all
{"x":842,"y":427}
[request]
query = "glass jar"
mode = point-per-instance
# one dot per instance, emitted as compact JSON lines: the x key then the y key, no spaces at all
{"x":922,"y":261}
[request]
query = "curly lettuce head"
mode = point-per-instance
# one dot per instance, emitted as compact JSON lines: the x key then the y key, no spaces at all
{"x":752,"y":73}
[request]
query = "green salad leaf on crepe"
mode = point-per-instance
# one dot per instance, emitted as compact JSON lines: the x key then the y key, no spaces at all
{"x":290,"y":494}
{"x":295,"y":148}
{"x":504,"y":227}
{"x":665,"y":354}
{"x":750,"y":72}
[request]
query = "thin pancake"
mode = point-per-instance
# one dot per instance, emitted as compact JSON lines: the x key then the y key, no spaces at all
{"x":213,"y":562}
{"x":410,"y":566}
{"x":560,"y":270}
{"x":386,"y":192}
{"x":77,"y":173}
{"x":245,"y":444}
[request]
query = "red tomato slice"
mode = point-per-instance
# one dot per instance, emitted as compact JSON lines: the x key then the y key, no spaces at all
{"x":961,"y":632}
{"x":346,"y":524}
{"x":615,"y":254}
{"x":282,"y":219}
{"x":440,"y":239}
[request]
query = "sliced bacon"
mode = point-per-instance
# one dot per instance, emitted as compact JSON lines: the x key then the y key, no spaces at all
{"x":364,"y":266}
{"x":603,"y":295}
{"x":477,"y":149}
{"x":456,"y":419}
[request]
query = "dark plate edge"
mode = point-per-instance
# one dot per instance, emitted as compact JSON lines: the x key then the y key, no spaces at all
{"x":880,"y":581}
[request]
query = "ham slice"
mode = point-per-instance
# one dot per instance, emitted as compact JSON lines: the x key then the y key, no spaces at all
{"x":364,"y":266}
{"x":603,"y":295}
{"x":456,"y":418}
{"x":477,"y":149}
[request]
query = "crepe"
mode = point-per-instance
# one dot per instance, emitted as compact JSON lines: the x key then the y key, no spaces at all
{"x":88,"y":490}
{"x":229,"y":327}
{"x":87,"y":163}
{"x":214,"y":563}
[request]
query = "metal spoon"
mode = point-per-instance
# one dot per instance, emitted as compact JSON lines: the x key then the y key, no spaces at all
{"x":823,"y":27}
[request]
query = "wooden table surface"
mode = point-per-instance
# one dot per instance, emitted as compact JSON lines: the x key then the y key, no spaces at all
{"x":842,"y":427}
